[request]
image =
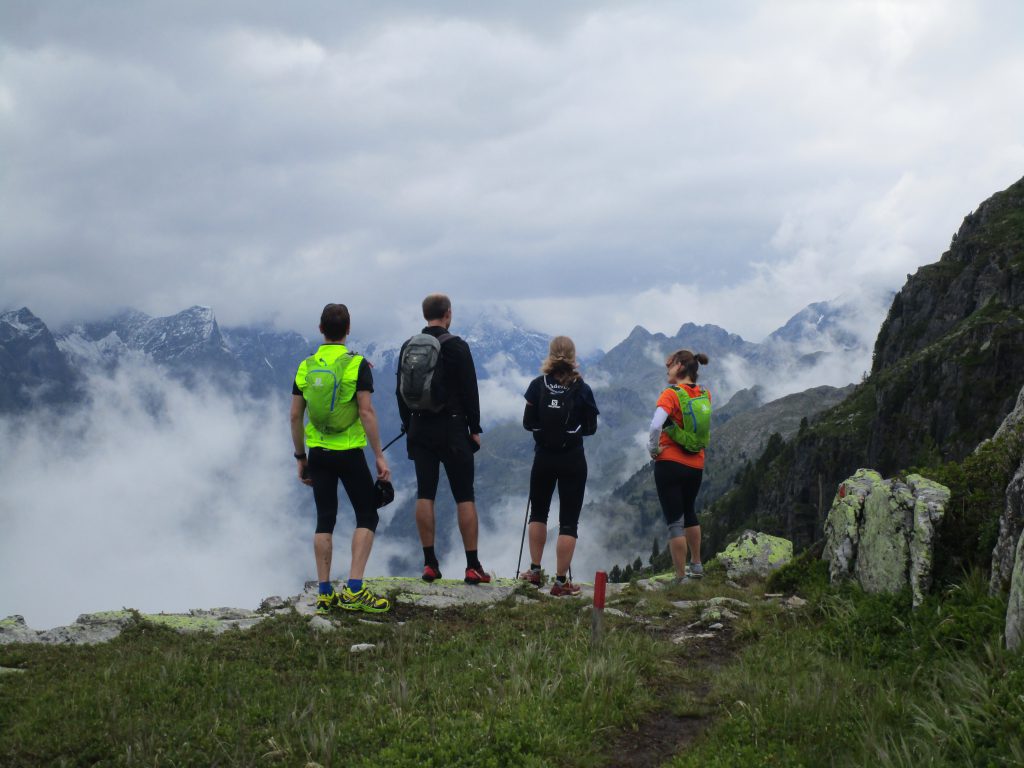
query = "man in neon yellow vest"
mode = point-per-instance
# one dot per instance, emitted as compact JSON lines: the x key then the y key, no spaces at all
{"x":334,"y":386}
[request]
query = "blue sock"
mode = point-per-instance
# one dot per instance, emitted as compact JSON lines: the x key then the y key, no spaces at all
{"x":326,"y":588}
{"x":354,"y":585}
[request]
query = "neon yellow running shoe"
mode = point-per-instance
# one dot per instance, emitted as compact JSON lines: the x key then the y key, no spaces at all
{"x":327,"y":603}
{"x":363,"y":600}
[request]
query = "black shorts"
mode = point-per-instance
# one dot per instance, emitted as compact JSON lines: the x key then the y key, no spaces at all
{"x":677,"y":486}
{"x":442,"y":439}
{"x":325,"y":469}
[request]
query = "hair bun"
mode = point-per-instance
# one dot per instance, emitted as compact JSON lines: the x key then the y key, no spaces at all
{"x":701,"y":358}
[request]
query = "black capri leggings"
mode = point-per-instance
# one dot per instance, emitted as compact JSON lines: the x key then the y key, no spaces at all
{"x":569,"y":472}
{"x":325,"y":469}
{"x":677,"y":486}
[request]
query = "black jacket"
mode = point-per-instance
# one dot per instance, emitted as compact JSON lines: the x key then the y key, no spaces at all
{"x":462,"y":394}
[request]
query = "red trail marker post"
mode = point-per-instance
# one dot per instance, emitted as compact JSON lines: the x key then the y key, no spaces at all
{"x":600,"y":582}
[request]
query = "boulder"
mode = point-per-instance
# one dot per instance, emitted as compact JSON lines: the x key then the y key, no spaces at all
{"x":880,"y":532}
{"x":13,"y":629}
{"x":756,"y":554}
{"x":1011,"y":523}
{"x":1015,"y":609}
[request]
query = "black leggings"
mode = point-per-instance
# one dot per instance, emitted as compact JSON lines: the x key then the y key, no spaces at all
{"x":569,"y":471}
{"x":325,"y":469}
{"x":677,"y":486}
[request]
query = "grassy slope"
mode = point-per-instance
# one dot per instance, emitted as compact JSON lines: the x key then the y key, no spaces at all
{"x":850,"y":680}
{"x":508,"y":686}
{"x":863,"y":680}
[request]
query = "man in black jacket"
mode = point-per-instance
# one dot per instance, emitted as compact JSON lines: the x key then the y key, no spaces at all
{"x":450,"y":437}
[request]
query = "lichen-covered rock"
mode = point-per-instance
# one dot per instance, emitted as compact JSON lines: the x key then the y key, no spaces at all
{"x":842,"y":526}
{"x":930,"y":500}
{"x":444,"y":593}
{"x":1015,"y":609}
{"x":13,"y":629}
{"x":1011,"y":524}
{"x":880,"y":532}
{"x":884,"y":552}
{"x":756,"y":554}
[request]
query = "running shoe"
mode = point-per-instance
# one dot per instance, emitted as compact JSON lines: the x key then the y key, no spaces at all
{"x":363,"y":600}
{"x":695,"y":571}
{"x":431,"y":573}
{"x":564,"y":589}
{"x":327,"y":603}
{"x":532,"y":577}
{"x":477,"y":576}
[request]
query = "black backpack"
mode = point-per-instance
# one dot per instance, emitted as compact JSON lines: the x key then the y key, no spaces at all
{"x":421,"y":372}
{"x":555,"y":414}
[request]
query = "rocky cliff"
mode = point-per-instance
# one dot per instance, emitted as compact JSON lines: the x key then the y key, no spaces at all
{"x":948,"y":364}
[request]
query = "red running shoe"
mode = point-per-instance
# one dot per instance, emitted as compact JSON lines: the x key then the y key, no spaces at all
{"x":477,"y":576}
{"x":531,"y":577}
{"x":564,"y":589}
{"x":430,"y":573}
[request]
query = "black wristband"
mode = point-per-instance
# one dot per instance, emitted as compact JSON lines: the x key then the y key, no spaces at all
{"x":299,"y":456}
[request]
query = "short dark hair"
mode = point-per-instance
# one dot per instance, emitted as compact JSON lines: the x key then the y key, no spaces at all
{"x":435,"y":306}
{"x":335,"y":321}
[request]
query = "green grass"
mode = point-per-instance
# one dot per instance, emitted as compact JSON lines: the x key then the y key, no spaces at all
{"x":849,"y":680}
{"x":864,"y":680}
{"x":508,"y":686}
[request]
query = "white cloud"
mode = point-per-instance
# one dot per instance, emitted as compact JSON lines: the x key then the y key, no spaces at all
{"x":604,"y":166}
{"x":155,"y":497}
{"x":503,"y":390}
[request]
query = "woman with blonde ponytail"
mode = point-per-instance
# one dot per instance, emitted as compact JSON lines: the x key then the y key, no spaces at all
{"x":560,"y":411}
{"x":678,"y":469}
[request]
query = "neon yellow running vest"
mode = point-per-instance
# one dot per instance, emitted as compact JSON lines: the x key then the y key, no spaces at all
{"x":352,"y":437}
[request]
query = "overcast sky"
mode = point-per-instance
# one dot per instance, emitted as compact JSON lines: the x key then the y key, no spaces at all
{"x":592,"y":165}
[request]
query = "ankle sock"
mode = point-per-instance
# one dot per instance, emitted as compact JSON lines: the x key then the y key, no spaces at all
{"x":354,"y":585}
{"x":326,"y":588}
{"x":534,"y":566}
{"x":472,"y":560}
{"x":560,"y":579}
{"x":429,"y":558}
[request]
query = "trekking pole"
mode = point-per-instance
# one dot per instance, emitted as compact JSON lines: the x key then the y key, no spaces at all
{"x":393,"y":441}
{"x":522,"y":541}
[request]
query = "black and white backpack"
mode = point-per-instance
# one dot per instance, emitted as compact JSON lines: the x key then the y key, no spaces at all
{"x":555,"y":414}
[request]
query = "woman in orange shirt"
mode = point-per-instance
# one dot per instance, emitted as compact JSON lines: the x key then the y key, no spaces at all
{"x":677,"y":472}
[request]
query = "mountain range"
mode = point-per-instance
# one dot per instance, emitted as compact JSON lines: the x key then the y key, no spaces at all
{"x":39,"y":367}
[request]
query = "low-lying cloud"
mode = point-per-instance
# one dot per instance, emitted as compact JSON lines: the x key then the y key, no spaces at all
{"x":155,"y":496}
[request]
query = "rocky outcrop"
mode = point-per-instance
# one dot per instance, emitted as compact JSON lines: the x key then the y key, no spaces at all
{"x":755,"y":554}
{"x":1015,"y":608}
{"x":880,"y":532}
{"x":948,"y":366}
{"x":1011,"y":524}
{"x":954,"y":337}
{"x":105,"y":626}
{"x":100,"y":627}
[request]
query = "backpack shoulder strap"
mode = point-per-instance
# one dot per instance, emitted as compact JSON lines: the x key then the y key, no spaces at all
{"x":444,"y":337}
